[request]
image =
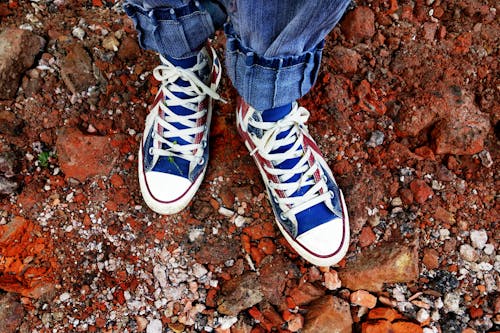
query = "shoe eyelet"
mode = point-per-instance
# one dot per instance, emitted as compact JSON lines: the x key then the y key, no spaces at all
{"x":282,"y":216}
{"x":150,"y":151}
{"x":331,"y":193}
{"x":325,"y":178}
{"x":204,"y":143}
{"x":201,"y":161}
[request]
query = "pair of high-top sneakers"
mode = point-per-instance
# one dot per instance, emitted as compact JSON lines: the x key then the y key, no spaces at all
{"x":308,"y":205}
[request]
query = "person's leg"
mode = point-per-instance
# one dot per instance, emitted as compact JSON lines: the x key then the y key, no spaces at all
{"x":274,"y":47}
{"x":273,"y":56}
{"x":175,"y":28}
{"x":173,"y":153}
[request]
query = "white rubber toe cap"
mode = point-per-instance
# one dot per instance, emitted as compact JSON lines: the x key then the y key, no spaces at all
{"x":325,"y":239}
{"x":166,"y":187}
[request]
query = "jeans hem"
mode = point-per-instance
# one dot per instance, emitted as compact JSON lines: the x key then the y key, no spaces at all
{"x":266,"y":83}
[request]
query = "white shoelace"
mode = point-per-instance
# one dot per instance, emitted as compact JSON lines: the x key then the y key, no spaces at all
{"x":196,"y":91}
{"x":269,"y":142}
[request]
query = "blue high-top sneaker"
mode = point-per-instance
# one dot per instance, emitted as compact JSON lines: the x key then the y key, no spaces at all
{"x":173,"y":154}
{"x":308,"y":205}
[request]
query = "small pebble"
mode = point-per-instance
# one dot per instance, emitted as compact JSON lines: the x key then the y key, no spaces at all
{"x":64,"y":297}
{"x":226,"y":322}
{"x":160,"y":274}
{"x":452,"y":302}
{"x":155,"y":326}
{"x":468,"y":253}
{"x":226,"y":212}
{"x":489,"y":249}
{"x":422,"y":315}
{"x":199,"y":270}
{"x":78,"y":33}
{"x":479,"y":238}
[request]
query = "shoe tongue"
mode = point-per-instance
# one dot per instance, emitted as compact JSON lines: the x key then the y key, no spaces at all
{"x":273,"y":115}
{"x":180,"y":110}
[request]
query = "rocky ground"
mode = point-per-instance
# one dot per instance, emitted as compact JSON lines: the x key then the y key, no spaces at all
{"x":406,"y":111}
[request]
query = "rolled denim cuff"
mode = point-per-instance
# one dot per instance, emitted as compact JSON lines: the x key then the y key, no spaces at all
{"x":176,"y":32}
{"x":266,"y":83}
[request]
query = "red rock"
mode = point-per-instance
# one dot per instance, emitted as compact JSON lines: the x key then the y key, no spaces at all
{"x":406,"y":327}
{"x":11,"y":313}
{"x":342,"y":167}
{"x":384,"y":313}
{"x":497,"y":304}
{"x":306,"y":293}
{"x":369,"y":99}
{"x":475,"y":312}
{"x":426,"y":153}
{"x":463,"y":127}
{"x":420,"y":190}
{"x":429,"y":30}
{"x":266,"y":245}
{"x":359,"y":24}
{"x":462,"y":43}
{"x":116,"y":180}
{"x":4,"y":10}
{"x":10,"y":123}
{"x":271,"y":315}
{"x":415,"y":116}
{"x":76,"y":70}
{"x":260,"y":230}
{"x":387,"y":263}
{"x":366,"y":237}
{"x":431,"y":259}
{"x":216,"y":252}
{"x":81,"y":156}
{"x":211,"y":297}
{"x":259,"y":317}
{"x":406,"y":196}
{"x":100,"y":322}
{"x":379,"y":326}
{"x":329,"y":314}
{"x":18,"y":242}
{"x":18,"y":49}
{"x":129,"y":49}
{"x":272,"y":278}
{"x":344,"y":60}
{"x":363,"y":298}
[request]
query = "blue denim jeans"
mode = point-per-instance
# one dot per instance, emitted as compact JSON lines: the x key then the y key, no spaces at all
{"x":273,"y":48}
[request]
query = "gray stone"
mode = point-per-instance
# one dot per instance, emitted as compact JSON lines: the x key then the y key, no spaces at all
{"x":7,"y":186}
{"x":76,"y":70}
{"x":239,"y":294}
